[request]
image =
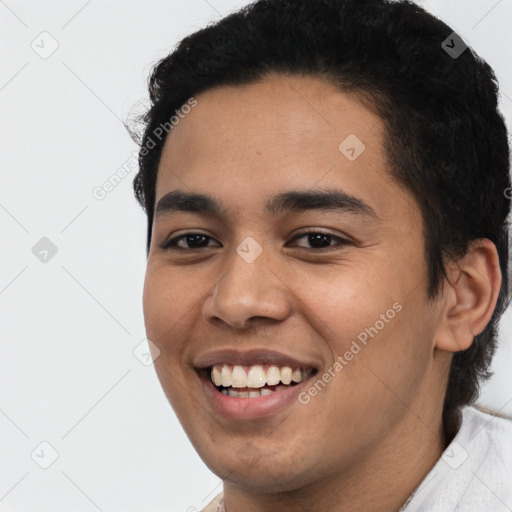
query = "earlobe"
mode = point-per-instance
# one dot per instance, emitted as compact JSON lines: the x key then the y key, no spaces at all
{"x":471,"y":296}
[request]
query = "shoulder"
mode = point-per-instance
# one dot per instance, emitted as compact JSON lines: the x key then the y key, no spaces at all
{"x":490,"y":431}
{"x":487,"y":441}
{"x":474,"y":472}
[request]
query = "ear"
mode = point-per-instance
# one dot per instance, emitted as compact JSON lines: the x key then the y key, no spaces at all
{"x":470,"y":296}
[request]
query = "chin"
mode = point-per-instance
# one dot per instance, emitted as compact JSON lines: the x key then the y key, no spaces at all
{"x":254,"y":470}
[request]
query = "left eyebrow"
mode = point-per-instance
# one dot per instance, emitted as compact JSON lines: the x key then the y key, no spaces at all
{"x":325,"y":200}
{"x":292,"y":201}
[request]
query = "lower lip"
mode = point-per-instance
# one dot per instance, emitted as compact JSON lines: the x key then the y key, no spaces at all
{"x":251,"y":408}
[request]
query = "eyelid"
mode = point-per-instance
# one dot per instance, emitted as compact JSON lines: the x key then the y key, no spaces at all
{"x":321,"y":231}
{"x":170,"y":243}
{"x":342,"y":241}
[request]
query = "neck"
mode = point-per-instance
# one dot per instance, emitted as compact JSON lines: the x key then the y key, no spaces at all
{"x":381,"y":480}
{"x":452,"y":419}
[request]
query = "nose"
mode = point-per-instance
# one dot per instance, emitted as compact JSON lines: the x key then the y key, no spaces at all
{"x":248,"y":294}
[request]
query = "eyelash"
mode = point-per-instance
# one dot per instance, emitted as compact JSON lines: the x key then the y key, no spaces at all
{"x":171,"y":244}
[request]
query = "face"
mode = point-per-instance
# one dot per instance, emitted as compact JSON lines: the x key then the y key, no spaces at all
{"x":329,"y":282}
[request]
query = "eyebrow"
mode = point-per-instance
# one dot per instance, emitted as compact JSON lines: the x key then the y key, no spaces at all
{"x":291,"y":201}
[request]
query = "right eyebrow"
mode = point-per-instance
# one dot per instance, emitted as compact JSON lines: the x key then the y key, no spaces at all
{"x":179,"y":201}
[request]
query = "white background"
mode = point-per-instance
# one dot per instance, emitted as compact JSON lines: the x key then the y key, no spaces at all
{"x":68,"y":375}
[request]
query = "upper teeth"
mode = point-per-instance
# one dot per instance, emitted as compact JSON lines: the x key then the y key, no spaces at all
{"x":255,"y":376}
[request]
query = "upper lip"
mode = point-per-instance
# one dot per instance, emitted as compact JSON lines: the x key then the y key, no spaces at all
{"x":249,"y":358}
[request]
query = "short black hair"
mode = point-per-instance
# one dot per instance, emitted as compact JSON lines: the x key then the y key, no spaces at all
{"x":446,"y":141}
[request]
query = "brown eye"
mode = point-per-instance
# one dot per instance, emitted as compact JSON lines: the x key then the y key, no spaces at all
{"x":192,"y":240}
{"x":319,"y":240}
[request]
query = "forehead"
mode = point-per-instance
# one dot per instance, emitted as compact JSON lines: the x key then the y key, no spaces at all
{"x":285,"y":132}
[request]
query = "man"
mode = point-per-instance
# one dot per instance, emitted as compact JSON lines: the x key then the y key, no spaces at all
{"x":326,"y":186}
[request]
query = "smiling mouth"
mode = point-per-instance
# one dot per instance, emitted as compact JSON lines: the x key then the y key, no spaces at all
{"x":257,"y":380}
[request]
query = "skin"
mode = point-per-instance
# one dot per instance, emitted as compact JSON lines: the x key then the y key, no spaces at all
{"x":372,"y":434}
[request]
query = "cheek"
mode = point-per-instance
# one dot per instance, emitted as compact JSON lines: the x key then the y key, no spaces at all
{"x":343,"y":304}
{"x":368,"y":319}
{"x":164,"y":316}
{"x":166,"y":298}
{"x":165,"y":313}
{"x":386,"y":359}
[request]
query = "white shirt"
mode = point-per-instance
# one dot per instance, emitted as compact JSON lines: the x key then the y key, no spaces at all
{"x":474,"y":473}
